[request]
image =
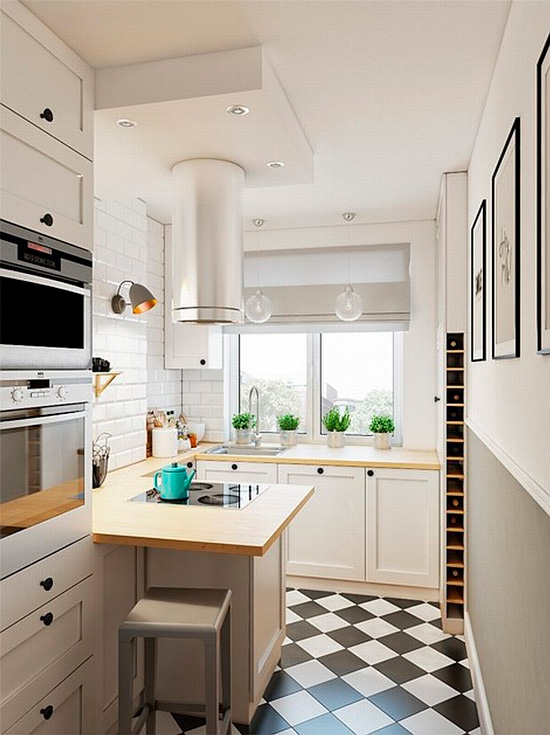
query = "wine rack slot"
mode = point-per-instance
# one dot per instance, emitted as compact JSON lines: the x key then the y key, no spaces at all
{"x":454,"y":479}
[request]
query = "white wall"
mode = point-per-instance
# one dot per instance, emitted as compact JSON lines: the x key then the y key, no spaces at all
{"x":129,"y":245}
{"x":509,"y":400}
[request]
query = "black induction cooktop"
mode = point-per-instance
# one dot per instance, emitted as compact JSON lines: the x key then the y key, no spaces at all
{"x":208,"y":495}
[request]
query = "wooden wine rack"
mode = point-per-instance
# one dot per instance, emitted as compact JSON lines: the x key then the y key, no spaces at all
{"x":454,"y":477}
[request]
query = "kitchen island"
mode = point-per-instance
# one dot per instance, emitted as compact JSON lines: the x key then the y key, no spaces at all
{"x":210,"y":547}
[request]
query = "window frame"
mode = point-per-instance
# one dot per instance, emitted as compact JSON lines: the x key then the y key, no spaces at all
{"x":313,"y":390}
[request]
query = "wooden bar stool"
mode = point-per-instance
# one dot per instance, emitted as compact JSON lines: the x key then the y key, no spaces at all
{"x":178,"y":613}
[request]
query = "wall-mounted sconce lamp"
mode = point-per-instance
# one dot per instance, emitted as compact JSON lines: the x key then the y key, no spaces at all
{"x":141,"y":299}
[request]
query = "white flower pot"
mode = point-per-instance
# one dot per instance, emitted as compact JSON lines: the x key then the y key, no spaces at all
{"x":288,"y":438}
{"x":336,"y":439}
{"x":382,"y":441}
{"x":242,"y":436}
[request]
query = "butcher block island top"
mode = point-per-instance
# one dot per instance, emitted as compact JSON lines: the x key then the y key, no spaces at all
{"x":248,"y":531}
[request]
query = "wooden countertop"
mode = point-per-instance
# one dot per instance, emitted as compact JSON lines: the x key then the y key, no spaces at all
{"x":351,"y":455}
{"x":249,"y":531}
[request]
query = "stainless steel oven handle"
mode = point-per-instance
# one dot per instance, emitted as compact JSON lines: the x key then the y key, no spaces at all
{"x":41,"y":281}
{"x":39,"y":420}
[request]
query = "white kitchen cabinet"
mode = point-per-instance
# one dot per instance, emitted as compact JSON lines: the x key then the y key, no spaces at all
{"x":45,"y":185}
{"x":187,"y":346}
{"x":403,"y":527}
{"x":66,"y":710}
{"x":44,"y":81}
{"x":119,"y":573}
{"x":237,"y":471}
{"x":327,"y":537}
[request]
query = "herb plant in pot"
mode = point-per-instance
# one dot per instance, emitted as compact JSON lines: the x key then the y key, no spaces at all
{"x":382,"y":427}
{"x":336,"y":424}
{"x":243,"y":423}
{"x":287,"y":429}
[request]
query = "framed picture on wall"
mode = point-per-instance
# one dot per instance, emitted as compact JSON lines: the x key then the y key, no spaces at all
{"x":543,"y":200}
{"x":478,"y":289}
{"x":506,"y":248}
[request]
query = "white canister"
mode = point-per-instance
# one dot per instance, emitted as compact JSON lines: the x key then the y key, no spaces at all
{"x":165,"y":442}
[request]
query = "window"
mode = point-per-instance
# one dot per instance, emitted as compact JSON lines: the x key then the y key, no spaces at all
{"x":306,"y":374}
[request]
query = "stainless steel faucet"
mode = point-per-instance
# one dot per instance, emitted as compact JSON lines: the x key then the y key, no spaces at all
{"x":256,"y":437}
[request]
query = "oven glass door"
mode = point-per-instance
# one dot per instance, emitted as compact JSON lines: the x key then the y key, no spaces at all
{"x":44,"y":323}
{"x":42,"y":465}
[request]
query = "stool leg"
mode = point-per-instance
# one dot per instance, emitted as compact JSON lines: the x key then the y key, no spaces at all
{"x":226,"y":665}
{"x":211,"y":687}
{"x":125,"y":675}
{"x":150,"y":651}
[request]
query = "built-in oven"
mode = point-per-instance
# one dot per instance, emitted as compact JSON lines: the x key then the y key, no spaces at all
{"x":45,"y":464}
{"x":45,"y":302}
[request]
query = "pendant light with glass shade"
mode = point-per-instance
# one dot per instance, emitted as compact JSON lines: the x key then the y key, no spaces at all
{"x":258,"y":307}
{"x":348,"y":305}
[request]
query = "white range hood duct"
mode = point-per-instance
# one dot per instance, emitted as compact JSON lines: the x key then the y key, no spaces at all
{"x":207,"y":242}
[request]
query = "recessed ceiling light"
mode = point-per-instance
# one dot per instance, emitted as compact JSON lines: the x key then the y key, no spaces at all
{"x":276,"y":164}
{"x":125,"y":123}
{"x":239,"y":110}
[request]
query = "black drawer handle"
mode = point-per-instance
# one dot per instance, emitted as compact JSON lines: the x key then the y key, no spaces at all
{"x":47,"y":712}
{"x":47,"y":115}
{"x":234,"y":466}
{"x":190,"y":464}
{"x":370,"y":473}
{"x":203,"y":362}
{"x":47,"y":619}
{"x":320,"y":470}
{"x":47,"y":583}
{"x":47,"y":219}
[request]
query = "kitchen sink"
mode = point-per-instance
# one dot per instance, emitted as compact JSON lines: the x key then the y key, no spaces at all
{"x":247,"y":451}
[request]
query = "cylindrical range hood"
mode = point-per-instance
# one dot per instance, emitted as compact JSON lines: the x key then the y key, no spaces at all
{"x":207,"y":242}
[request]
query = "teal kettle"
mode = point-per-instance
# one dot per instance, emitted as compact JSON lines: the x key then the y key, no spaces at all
{"x":173,"y":481}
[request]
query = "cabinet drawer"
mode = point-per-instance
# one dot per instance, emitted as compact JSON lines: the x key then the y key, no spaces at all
{"x":69,"y":708}
{"x":44,"y":81}
{"x":236,"y":471}
{"x":38,"y":584}
{"x":46,"y":186}
{"x":44,"y":648}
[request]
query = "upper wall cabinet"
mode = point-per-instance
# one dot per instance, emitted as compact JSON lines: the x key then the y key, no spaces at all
{"x":44,"y":81}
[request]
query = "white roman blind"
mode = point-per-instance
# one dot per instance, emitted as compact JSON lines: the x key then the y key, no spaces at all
{"x":303,"y":286}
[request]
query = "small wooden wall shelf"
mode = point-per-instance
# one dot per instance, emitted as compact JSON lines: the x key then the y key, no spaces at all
{"x":452,"y":606}
{"x":102,"y":380}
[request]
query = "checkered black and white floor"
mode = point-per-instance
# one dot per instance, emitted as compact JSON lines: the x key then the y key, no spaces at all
{"x":364,"y":665}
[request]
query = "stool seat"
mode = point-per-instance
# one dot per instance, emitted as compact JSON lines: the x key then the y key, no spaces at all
{"x":167,"y":612}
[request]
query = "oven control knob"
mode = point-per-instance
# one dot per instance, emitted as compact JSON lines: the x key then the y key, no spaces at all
{"x":62,"y":391}
{"x":17,"y":395}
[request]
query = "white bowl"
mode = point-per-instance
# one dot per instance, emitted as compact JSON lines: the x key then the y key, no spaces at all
{"x":198,"y":430}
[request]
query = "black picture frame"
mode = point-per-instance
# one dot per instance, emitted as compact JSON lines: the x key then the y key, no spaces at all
{"x":506,"y":258}
{"x":478,"y":283}
{"x":543,"y":210}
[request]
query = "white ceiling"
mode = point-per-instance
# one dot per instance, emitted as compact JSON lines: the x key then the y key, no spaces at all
{"x":389,"y":93}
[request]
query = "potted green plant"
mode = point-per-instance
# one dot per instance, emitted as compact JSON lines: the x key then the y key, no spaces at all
{"x":336,"y":424}
{"x":382,"y":427}
{"x":288,"y":423}
{"x":243,"y":423}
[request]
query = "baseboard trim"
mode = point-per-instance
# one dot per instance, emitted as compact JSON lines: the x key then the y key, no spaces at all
{"x":363,"y":588}
{"x":483,"y":712}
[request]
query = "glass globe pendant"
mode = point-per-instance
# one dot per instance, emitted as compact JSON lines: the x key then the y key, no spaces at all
{"x":348,"y":305}
{"x":257,"y":308}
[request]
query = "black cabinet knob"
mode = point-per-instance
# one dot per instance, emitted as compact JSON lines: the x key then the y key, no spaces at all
{"x":47,"y":115}
{"x":203,"y":362}
{"x":320,"y":470}
{"x":234,"y":467}
{"x":190,"y":464}
{"x":436,"y":399}
{"x":370,"y":473}
{"x":47,"y":712}
{"x":47,"y":619}
{"x":47,"y":219}
{"x":47,"y":583}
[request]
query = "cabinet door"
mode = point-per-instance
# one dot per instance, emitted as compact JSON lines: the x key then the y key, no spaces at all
{"x":403,"y":527}
{"x":327,"y":537}
{"x":44,"y":81}
{"x":66,"y":710}
{"x":250,"y":472}
{"x":45,"y":186}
